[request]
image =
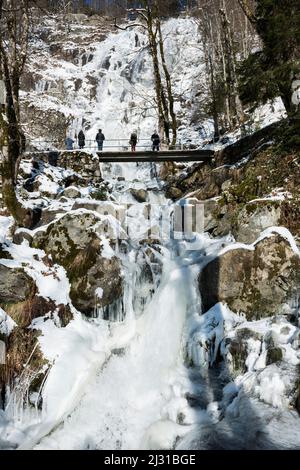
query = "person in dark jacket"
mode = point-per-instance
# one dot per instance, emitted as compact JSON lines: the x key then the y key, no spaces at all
{"x":155,"y":141}
{"x":100,"y":138}
{"x":137,"y":41}
{"x":81,"y":140}
{"x":133,"y":141}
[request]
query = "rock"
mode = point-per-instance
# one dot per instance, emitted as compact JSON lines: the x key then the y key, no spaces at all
{"x":103,"y":208}
{"x":105,"y":274}
{"x":81,"y":162}
{"x":73,"y":244}
{"x":256,"y":282}
{"x":21,"y":235}
{"x":15,"y":285}
{"x":71,"y":192}
{"x":75,"y":179}
{"x":140,"y":195}
{"x":167,"y":171}
{"x":210,"y":221}
{"x":205,"y":181}
{"x":297,"y":401}
{"x":274,"y":355}
{"x":34,"y":306}
{"x":49,"y":216}
{"x":226,"y":185}
{"x":174,"y":193}
{"x":238,"y":348}
{"x":224,"y":225}
{"x":255,"y":217}
{"x":4,"y":254}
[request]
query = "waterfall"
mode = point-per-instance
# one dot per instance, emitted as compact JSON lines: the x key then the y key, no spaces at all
{"x":143,"y":373}
{"x":120,"y":379}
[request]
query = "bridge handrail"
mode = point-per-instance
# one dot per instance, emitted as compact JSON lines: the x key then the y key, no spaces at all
{"x":122,"y":144}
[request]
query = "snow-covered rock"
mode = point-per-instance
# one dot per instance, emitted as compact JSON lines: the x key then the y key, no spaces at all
{"x":257,"y":280}
{"x":78,"y":242}
{"x":256,"y":217}
{"x":15,"y":285}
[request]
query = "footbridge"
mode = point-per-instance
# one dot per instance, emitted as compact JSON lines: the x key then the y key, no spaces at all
{"x":157,"y":157}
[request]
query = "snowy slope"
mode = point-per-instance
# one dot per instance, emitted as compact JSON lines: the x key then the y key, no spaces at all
{"x":109,"y":84}
{"x":88,"y":75}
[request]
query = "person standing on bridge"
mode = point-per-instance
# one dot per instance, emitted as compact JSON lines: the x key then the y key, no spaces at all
{"x":133,"y":141}
{"x":155,"y":141}
{"x":81,"y":140}
{"x":69,"y":143}
{"x":100,"y":138}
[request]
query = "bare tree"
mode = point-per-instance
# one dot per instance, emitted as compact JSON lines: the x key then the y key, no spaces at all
{"x":236,"y":115}
{"x":227,"y":37}
{"x":14,"y":32}
{"x":149,"y":18}
{"x":248,"y":9}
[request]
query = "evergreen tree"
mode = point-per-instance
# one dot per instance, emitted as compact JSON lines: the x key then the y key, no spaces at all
{"x":273,"y":70}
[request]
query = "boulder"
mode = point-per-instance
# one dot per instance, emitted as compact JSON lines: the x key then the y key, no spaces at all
{"x":4,"y":254}
{"x":22,"y":235}
{"x":174,"y":193}
{"x":71,"y":192}
{"x":140,"y":195}
{"x":257,"y":281}
{"x":274,"y":355}
{"x":256,"y":217}
{"x":73,"y":241}
{"x":202,"y":179}
{"x":80,"y":162}
{"x":49,"y":215}
{"x":15,"y":285}
{"x":102,"y":207}
{"x":74,"y":179}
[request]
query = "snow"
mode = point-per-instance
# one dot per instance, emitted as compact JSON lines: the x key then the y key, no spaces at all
{"x":283,"y":232}
{"x":269,"y":232}
{"x":277,"y":195}
{"x":5,"y":224}
{"x":106,"y":252}
{"x":127,"y":382}
{"x":268,"y":386}
{"x":6,"y":323}
{"x":208,"y":331}
{"x":51,"y":282}
{"x":99,"y":293}
{"x":125,"y":92}
{"x":96,"y":393}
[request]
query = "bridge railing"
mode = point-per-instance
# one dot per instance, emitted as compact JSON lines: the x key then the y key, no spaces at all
{"x":91,"y":145}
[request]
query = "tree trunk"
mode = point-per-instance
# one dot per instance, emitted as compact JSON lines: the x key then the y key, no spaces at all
{"x":10,"y":147}
{"x":23,"y":217}
{"x":214,"y":101}
{"x":160,"y":95}
{"x":169,"y":86}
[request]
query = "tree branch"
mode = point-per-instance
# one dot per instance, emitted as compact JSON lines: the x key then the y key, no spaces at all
{"x":133,"y":25}
{"x":248,"y":11}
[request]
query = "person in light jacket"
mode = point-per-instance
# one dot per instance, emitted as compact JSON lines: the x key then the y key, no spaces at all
{"x":69,"y":143}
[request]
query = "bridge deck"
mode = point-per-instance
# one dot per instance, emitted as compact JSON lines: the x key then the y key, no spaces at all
{"x":163,"y":156}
